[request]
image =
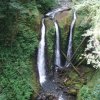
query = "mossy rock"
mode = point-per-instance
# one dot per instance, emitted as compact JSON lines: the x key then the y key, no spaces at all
{"x":72,"y":91}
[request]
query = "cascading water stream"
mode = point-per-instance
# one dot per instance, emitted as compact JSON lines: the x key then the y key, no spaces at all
{"x":41,"y":61}
{"x":57,"y":60}
{"x":52,"y":13}
{"x":47,"y":84}
{"x":69,"y":51}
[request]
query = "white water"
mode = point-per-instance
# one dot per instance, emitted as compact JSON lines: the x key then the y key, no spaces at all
{"x":57,"y":46}
{"x":41,"y":56}
{"x":69,"y":51}
{"x":52,"y":13}
{"x":61,"y":98}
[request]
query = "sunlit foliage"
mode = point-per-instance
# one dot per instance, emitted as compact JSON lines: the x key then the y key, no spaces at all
{"x":92,"y":9}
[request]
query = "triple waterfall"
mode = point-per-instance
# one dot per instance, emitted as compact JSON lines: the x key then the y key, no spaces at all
{"x":44,"y":80}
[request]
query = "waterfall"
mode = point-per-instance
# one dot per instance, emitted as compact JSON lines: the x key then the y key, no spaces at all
{"x":48,"y":85}
{"x":69,"y":51}
{"x":57,"y":60}
{"x":41,"y":61}
{"x":52,"y":13}
{"x":61,"y":97}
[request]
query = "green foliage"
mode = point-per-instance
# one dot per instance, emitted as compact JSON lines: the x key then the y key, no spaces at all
{"x":87,"y":93}
{"x":50,"y":44}
{"x":91,"y":10}
{"x":18,"y":42}
{"x":91,"y":91}
{"x":19,"y":22}
{"x":45,"y":5}
{"x":16,"y":75}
